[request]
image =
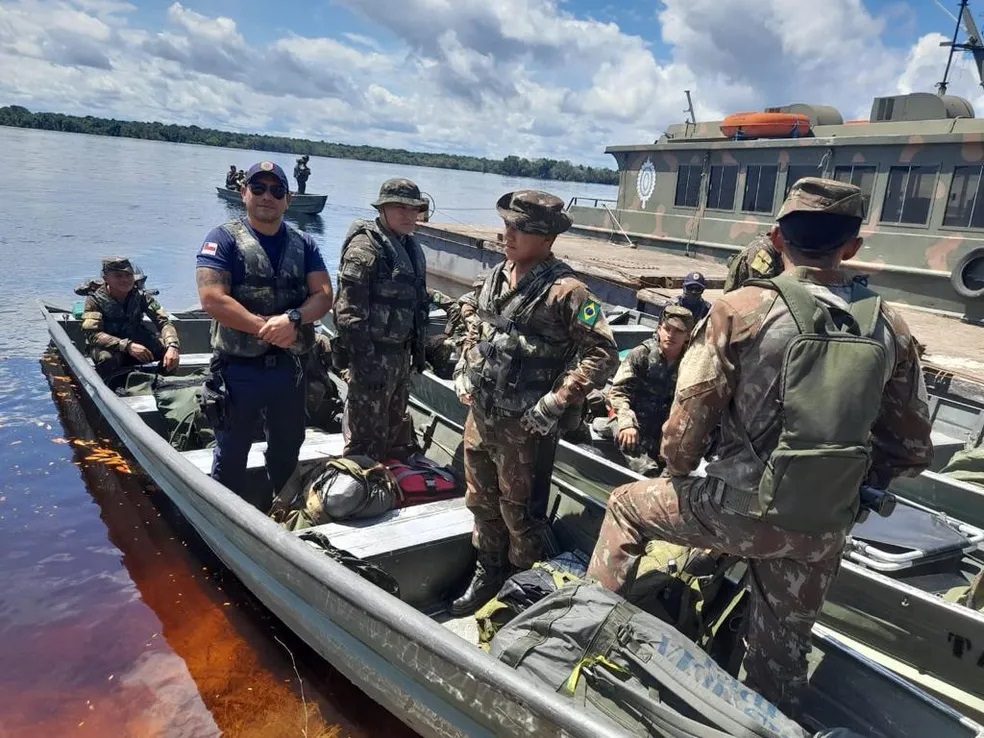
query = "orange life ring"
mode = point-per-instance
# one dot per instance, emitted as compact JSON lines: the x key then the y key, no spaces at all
{"x":765,"y":125}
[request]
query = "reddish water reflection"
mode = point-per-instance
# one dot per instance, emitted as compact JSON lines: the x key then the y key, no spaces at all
{"x":169,"y":644}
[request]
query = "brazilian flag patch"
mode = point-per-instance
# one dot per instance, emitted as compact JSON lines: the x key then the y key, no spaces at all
{"x":589,"y":313}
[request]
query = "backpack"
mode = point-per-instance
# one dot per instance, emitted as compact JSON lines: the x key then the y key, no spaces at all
{"x":526,"y":588}
{"x":831,"y":384}
{"x":178,"y":401}
{"x":615,"y":661}
{"x":420,"y":480}
{"x":335,"y":489}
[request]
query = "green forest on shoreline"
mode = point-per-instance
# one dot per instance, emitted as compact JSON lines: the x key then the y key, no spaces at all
{"x":512,"y":166}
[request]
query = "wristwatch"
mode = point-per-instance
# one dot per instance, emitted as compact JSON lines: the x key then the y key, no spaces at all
{"x":295,"y":317}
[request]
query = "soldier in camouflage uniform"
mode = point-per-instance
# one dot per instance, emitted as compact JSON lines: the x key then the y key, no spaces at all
{"x":540,"y":344}
{"x":642,"y":392}
{"x":381,"y":317}
{"x":730,"y":375}
{"x":759,"y":260}
{"x":112,"y":322}
{"x":444,"y":351}
{"x":265,"y":285}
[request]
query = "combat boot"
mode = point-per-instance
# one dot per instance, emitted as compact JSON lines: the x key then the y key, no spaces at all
{"x":490,"y":574}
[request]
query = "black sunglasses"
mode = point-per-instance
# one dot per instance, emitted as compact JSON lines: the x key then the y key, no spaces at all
{"x":259,"y":188}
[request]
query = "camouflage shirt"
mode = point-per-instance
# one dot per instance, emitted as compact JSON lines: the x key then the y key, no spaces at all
{"x":759,"y":260}
{"x":568,"y":313}
{"x":642,"y":390}
{"x":730,"y":376}
{"x":111,"y":324}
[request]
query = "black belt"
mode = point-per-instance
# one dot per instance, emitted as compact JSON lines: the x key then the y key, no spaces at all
{"x":269,"y":360}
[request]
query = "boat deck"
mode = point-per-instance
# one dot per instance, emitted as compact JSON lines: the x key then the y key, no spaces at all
{"x":612,"y":262}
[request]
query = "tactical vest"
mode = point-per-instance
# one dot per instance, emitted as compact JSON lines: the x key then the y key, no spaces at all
{"x":512,"y":366}
{"x":399,"y":294}
{"x":831,"y":382}
{"x":120,"y":319}
{"x":265,"y":292}
{"x":654,"y":391}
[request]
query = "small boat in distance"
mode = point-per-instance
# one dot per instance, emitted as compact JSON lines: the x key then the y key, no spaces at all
{"x":299,"y":204}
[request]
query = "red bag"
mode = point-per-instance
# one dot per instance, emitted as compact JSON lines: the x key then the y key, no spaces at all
{"x":421,"y":480}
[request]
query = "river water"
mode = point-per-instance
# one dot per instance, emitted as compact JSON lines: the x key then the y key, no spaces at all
{"x":115,"y":619}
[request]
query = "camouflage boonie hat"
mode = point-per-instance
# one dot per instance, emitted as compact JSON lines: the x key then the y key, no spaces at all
{"x":399,"y":191}
{"x":679,"y":317}
{"x":117,"y":264}
{"x":816,"y":195}
{"x":534,"y":211}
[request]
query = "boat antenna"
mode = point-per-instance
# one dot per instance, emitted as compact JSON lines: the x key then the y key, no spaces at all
{"x":973,"y":45}
{"x":690,"y":109}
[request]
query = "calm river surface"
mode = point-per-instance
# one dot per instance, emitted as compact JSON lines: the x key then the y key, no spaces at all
{"x":115,"y":619}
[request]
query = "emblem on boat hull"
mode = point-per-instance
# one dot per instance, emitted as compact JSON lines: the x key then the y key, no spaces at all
{"x":646,"y":181}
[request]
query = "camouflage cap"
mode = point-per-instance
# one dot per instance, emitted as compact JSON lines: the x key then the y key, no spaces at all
{"x":817,"y":195}
{"x":117,"y":264}
{"x":679,"y":317}
{"x":534,"y":211}
{"x":400,"y":191}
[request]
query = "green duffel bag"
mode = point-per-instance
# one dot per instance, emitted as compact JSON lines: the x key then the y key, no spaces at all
{"x":616,"y":661}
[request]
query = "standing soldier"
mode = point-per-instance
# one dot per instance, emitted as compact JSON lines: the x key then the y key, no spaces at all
{"x":264,"y":284}
{"x":758,"y":260}
{"x":818,"y":389}
{"x":301,"y":174}
{"x":540,"y":344}
{"x":112,"y":323}
{"x":381,"y":318}
{"x":642,"y":392}
{"x":231,"y":178}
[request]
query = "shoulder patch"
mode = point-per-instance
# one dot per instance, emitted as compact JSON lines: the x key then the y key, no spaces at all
{"x":589,"y":313}
{"x":209,"y":248}
{"x":762,"y":263}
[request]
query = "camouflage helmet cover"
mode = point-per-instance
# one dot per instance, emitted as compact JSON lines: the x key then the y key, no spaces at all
{"x":817,"y":195}
{"x":534,"y":211}
{"x":679,"y":317}
{"x":117,"y":264}
{"x":400,"y":191}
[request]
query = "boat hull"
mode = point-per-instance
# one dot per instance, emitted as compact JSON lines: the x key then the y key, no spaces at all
{"x":299,"y":204}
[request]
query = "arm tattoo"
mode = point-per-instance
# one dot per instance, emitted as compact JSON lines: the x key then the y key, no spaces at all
{"x":206,"y":277}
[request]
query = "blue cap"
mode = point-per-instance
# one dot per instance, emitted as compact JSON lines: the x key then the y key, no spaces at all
{"x":694,"y":279}
{"x":267,"y":167}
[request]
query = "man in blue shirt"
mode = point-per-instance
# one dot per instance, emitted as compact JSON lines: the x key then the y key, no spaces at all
{"x":265,"y":285}
{"x":693,"y":296}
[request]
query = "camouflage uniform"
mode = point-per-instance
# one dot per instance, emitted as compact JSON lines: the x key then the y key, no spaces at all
{"x":111,"y":326}
{"x":444,"y":351}
{"x":759,"y":260}
{"x":381,"y":316}
{"x":547,"y":336}
{"x":730,"y":376}
{"x":641,"y":394}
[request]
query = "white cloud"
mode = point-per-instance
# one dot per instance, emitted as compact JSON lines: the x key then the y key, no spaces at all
{"x":522,"y":77}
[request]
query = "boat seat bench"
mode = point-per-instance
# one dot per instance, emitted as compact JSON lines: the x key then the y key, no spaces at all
{"x":427,"y":548}
{"x":188,"y":361}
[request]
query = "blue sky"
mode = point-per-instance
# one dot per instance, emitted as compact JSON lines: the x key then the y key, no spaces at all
{"x":558,"y":78}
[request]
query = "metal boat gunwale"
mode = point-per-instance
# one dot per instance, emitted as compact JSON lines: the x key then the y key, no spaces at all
{"x":355,"y":656}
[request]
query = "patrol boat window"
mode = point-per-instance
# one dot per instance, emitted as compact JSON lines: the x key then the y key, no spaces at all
{"x":796,"y":172}
{"x":861,"y":176}
{"x":964,"y":208}
{"x":760,"y":188}
{"x":908,"y":195}
{"x":688,"y":186}
{"x":722,"y":188}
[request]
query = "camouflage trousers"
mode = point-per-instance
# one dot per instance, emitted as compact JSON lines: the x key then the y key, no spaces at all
{"x":789,"y":573}
{"x":644,"y":460}
{"x":375,"y":422}
{"x":500,"y":464}
{"x":108,"y":362}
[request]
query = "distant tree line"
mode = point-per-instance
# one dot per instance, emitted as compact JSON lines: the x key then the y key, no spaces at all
{"x":513,"y":166}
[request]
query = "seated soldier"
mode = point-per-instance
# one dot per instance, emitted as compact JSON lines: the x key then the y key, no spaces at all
{"x":443,"y":351}
{"x":231,"y":176}
{"x":693,"y":296}
{"x":642,"y":392}
{"x":113,"y":323}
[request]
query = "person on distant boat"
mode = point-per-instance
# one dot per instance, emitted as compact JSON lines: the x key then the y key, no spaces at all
{"x":301,"y":174}
{"x":265,"y":285}
{"x":814,"y":388}
{"x":642,"y":392}
{"x":232,"y":178}
{"x":693,"y":296}
{"x":540,"y":345}
{"x":758,"y":260}
{"x":112,"y":321}
{"x":381,"y":317}
{"x":240,"y":179}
